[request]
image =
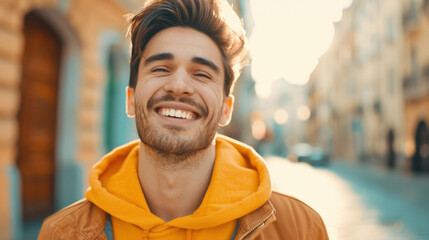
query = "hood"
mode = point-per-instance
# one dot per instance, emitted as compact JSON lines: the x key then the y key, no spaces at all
{"x":240,"y":183}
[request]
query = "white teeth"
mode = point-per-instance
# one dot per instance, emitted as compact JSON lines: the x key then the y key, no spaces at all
{"x":176,"y":113}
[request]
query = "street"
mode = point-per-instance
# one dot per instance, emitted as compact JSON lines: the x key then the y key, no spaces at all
{"x":358,"y":202}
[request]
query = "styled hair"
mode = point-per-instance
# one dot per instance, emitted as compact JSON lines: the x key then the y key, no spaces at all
{"x":215,"y":18}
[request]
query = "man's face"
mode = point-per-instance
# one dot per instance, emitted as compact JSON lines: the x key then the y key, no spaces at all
{"x":179,"y":97}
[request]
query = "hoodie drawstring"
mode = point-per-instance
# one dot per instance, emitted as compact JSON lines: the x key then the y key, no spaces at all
{"x":188,"y":234}
{"x":145,"y":234}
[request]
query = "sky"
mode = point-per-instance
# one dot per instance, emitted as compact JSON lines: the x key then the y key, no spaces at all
{"x":288,"y":38}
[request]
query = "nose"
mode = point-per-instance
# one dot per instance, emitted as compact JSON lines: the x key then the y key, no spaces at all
{"x":179,"y":84}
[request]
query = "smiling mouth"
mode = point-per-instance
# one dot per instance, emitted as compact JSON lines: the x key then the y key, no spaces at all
{"x":177,"y":113}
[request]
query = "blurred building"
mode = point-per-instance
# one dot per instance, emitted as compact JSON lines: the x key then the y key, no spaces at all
{"x":415,"y":21}
{"x":244,"y":89}
{"x":64,"y":67}
{"x":369,"y":93}
{"x":273,"y":123}
{"x":284,"y":114}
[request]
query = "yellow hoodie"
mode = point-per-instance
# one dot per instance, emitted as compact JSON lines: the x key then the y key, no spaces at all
{"x":239,"y":185}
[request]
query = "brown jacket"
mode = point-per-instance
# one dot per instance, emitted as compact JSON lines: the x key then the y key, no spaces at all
{"x":281,"y":217}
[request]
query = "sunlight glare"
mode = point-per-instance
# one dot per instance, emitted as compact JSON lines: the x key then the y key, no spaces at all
{"x":281,"y":116}
{"x":258,"y":129}
{"x":303,"y":113}
{"x":288,"y":38}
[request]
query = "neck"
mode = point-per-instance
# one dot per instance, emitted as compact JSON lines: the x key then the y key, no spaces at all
{"x":174,"y":186}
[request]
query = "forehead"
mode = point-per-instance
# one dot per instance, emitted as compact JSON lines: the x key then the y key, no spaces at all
{"x":183,"y":43}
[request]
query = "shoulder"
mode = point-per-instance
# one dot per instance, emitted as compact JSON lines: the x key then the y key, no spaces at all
{"x":81,"y":218}
{"x":295,"y":216}
{"x":292,"y":205}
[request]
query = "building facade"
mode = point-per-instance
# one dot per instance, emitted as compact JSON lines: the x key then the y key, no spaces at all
{"x":369,"y":90}
{"x":61,"y":60}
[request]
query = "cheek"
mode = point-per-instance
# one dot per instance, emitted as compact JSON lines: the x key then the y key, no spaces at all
{"x":213,"y":101}
{"x":141,"y":101}
{"x":147,"y":89}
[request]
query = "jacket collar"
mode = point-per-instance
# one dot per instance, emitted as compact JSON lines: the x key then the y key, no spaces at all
{"x":82,"y":219}
{"x":254,"y":222}
{"x":91,"y":226}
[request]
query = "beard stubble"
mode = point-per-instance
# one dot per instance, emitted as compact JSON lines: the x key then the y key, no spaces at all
{"x":170,"y":143}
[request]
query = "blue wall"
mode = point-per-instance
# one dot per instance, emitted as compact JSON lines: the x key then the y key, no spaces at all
{"x":69,"y":175}
{"x":15,"y":200}
{"x":117,"y":128}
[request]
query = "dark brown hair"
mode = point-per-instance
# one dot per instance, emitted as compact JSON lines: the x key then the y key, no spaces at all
{"x":215,"y":18}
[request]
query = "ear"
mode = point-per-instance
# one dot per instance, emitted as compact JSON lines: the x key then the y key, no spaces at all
{"x":227,"y":108}
{"x":130,"y":102}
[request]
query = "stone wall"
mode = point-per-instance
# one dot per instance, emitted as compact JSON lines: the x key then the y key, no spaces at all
{"x":87,"y":21}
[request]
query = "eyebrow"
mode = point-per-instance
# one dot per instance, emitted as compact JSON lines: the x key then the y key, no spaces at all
{"x":206,"y":62}
{"x":157,"y":57}
{"x":169,"y":56}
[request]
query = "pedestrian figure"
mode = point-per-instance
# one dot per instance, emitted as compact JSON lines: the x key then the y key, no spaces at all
{"x":181,"y":180}
{"x":391,"y":156}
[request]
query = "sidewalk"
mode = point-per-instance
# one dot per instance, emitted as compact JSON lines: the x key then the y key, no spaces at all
{"x":399,"y":199}
{"x":358,"y":202}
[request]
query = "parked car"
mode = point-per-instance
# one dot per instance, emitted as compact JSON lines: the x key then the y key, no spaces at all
{"x":312,"y":155}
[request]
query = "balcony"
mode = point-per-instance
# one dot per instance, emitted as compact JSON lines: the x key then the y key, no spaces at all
{"x":424,"y":84}
{"x":426,"y":6}
{"x":425,"y":74}
{"x":410,"y":18}
{"x":409,"y":84}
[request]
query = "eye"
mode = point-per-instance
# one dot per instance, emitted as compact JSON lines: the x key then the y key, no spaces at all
{"x":159,"y":69}
{"x":203,"y":75}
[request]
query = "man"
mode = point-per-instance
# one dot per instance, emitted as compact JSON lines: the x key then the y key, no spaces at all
{"x":180,"y":180}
